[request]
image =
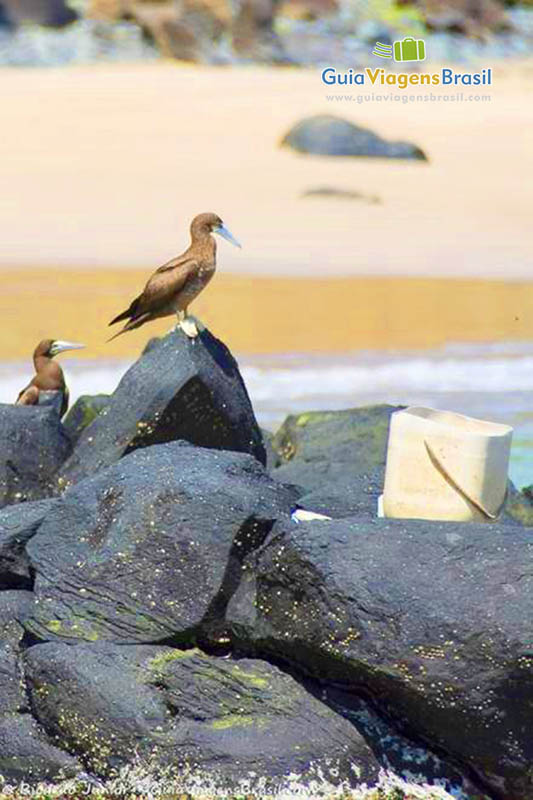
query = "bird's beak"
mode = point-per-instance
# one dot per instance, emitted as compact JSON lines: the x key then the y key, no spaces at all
{"x":60,"y":347}
{"x":227,"y":235}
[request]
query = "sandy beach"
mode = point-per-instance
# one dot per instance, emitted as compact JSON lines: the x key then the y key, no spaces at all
{"x":267,"y":315}
{"x":103,"y":167}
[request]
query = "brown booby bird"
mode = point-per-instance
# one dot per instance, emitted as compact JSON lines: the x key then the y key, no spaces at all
{"x":48,"y":374}
{"x":174,"y":286}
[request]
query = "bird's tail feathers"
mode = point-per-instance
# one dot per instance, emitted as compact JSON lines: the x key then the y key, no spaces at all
{"x":130,"y":312}
{"x":131,"y":325}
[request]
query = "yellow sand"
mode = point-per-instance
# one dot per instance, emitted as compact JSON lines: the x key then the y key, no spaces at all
{"x":267,"y":315}
{"x":106,"y":165}
{"x":102,"y":168}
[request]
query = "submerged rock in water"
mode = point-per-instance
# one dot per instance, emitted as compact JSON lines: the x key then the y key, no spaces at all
{"x":181,"y":389}
{"x":182,"y":708}
{"x":33,"y":447}
{"x":431,"y":620}
{"x":151,"y":547}
{"x":327,"y":135}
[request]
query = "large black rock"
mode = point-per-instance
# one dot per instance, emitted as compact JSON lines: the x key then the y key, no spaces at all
{"x":33,"y":446}
{"x":17,"y":525}
{"x":337,"y":458}
{"x":431,"y":620}
{"x":227,"y":718}
{"x":328,"y":135}
{"x":180,"y":389}
{"x":151,"y":547}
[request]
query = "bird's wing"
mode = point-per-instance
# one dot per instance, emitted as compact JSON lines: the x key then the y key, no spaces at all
{"x":28,"y":396}
{"x":164,"y":284}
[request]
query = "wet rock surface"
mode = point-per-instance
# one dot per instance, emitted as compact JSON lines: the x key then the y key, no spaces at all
{"x":180,"y":389}
{"x":431,"y":619}
{"x":185,"y":708}
{"x":33,"y":447}
{"x":327,"y":135}
{"x":151,"y":547}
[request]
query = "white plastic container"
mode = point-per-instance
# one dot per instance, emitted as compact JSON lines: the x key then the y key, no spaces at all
{"x":445,"y":466}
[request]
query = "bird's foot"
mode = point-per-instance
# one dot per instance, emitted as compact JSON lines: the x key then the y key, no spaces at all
{"x":189,"y":327}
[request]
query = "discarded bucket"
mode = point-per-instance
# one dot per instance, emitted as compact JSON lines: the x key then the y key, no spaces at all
{"x":445,"y":466}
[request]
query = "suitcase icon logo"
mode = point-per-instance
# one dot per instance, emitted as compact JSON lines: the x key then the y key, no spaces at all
{"x":409,"y":49}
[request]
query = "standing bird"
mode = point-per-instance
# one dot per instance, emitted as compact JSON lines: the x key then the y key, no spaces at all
{"x":48,"y":374}
{"x":174,"y":286}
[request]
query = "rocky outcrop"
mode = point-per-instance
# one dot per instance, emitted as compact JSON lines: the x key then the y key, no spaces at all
{"x":189,"y":30}
{"x":185,"y":709}
{"x":327,"y":135}
{"x":33,"y":447}
{"x":152,"y":547}
{"x":17,"y":525}
{"x":431,"y":620}
{"x":347,"y":645}
{"x":473,"y":19}
{"x":181,"y":389}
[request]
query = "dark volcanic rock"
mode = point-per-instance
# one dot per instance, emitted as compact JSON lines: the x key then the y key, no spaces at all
{"x":228,"y":718}
{"x":17,"y":525}
{"x":12,"y":696}
{"x":54,"y":13}
{"x":151,"y":547}
{"x":336,"y":457}
{"x":353,"y":495}
{"x":327,"y":135}
{"x":432,"y":620}
{"x":14,"y":608}
{"x":26,"y":755}
{"x":33,"y":446}
{"x":83,"y":412}
{"x":181,"y":389}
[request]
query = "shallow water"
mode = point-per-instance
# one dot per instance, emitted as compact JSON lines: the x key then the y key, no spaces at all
{"x":493,"y":382}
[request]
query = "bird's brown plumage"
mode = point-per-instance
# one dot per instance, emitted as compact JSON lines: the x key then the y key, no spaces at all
{"x":48,"y":377}
{"x":173,"y":287}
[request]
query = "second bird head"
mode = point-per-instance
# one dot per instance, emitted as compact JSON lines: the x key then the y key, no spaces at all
{"x":52,"y":347}
{"x":211,"y":223}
